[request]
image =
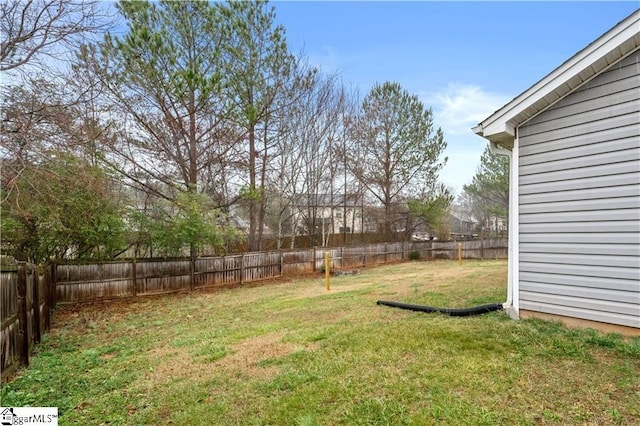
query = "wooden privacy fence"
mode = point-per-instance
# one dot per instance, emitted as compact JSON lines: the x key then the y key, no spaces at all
{"x":491,"y":248}
{"x":144,"y":277}
{"x":90,"y":282}
{"x":25,"y":306}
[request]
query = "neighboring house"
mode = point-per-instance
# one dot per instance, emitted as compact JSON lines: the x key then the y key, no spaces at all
{"x":463,"y":222}
{"x":496,"y":224}
{"x":471,"y":227}
{"x":462,"y":227}
{"x":331,"y":214}
{"x":574,"y":143}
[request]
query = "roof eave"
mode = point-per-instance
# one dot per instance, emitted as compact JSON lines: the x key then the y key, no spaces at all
{"x":505,"y":137}
{"x":614,"y":45}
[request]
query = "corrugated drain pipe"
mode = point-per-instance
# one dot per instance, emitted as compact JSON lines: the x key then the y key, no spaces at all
{"x":454,"y":312}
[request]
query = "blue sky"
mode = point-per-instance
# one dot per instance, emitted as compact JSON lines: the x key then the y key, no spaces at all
{"x":463,"y":59}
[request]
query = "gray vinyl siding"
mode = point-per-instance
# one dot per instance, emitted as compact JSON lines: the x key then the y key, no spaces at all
{"x":579,"y":202}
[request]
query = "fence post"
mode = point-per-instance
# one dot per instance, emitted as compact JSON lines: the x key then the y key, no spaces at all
{"x":241,"y":268}
{"x":54,"y":279}
{"x":281,"y":263}
{"x":327,"y":269}
{"x":36,"y":304}
{"x":47,"y":297}
{"x":482,"y":248}
{"x":23,"y":330}
{"x":134,"y":276}
{"x":192,"y":272}
{"x":364,"y":255}
{"x":314,"y":259}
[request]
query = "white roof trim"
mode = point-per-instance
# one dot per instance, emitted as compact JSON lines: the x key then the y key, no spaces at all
{"x":614,"y":45}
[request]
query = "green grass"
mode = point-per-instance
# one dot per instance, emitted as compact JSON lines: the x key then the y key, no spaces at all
{"x":295,"y":354}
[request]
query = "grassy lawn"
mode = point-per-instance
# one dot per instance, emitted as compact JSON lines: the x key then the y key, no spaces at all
{"x":295,"y":354}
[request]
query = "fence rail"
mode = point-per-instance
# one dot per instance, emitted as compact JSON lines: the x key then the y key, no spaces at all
{"x":28,"y":292}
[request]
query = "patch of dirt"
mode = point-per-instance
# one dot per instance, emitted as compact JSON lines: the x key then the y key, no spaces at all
{"x":173,"y":363}
{"x":247,"y":355}
{"x":243,"y":361}
{"x":108,"y":356}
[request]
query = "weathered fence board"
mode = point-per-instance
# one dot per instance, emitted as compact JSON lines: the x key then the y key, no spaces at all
{"x":297,"y":261}
{"x":352,"y":257}
{"x":218,"y":271}
{"x":155,"y":277}
{"x":9,"y":288}
{"x":491,"y":248}
{"x":9,"y":310}
{"x":24,"y":313}
{"x":97,"y":281}
{"x":259,"y":266}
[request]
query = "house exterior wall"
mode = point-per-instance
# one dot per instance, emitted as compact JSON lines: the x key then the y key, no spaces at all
{"x":579,"y":202}
{"x":352,"y":221}
{"x":335,"y":217}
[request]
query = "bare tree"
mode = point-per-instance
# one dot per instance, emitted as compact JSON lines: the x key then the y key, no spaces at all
{"x":310,"y":163}
{"x":37,"y":31}
{"x":37,"y":109}
{"x":55,"y":201}
{"x":36,"y":120}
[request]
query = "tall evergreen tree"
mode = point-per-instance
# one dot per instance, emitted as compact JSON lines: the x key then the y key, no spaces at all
{"x":399,"y":149}
{"x":263,"y":74}
{"x":166,"y":76}
{"x":488,"y":191}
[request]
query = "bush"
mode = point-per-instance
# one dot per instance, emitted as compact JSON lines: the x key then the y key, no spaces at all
{"x":414,"y":255}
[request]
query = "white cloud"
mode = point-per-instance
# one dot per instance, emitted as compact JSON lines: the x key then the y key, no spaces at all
{"x":459,"y":107}
{"x":456,"y":110}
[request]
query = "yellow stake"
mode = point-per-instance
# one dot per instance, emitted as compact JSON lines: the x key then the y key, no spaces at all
{"x":326,"y":269}
{"x":459,"y":253}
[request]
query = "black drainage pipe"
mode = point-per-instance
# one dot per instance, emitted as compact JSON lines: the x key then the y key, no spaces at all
{"x":454,"y":312}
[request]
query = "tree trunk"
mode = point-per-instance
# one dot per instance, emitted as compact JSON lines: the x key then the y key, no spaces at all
{"x":253,"y":205}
